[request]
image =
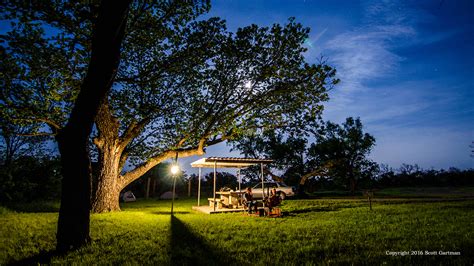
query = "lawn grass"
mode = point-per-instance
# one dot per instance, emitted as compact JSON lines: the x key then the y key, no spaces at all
{"x":401,"y":192}
{"x":426,"y":192}
{"x":315,"y":231}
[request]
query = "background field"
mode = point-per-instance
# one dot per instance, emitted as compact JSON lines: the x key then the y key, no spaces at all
{"x":312,"y":231}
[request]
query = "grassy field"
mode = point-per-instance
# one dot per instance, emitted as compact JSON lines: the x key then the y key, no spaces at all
{"x":316,"y":231}
{"x":404,"y":192}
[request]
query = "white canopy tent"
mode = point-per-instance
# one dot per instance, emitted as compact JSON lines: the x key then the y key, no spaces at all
{"x":226,"y":162}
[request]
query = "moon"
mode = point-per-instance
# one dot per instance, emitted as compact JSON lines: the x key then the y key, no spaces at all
{"x":248,"y":84}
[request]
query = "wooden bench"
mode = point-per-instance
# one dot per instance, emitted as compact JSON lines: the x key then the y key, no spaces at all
{"x":218,"y":201}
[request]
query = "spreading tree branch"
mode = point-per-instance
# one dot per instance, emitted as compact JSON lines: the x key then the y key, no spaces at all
{"x":141,"y":169}
{"x":274,"y":177}
{"x":132,"y":131}
{"x":38,"y":134}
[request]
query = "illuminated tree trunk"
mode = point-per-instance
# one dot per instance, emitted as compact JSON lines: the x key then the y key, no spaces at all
{"x":107,"y":190}
{"x":112,"y":157}
{"x":106,"y":195}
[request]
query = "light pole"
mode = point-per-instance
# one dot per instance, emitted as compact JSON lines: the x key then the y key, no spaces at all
{"x":174,"y":172}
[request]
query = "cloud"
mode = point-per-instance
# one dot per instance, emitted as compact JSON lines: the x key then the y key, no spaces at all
{"x":365,"y":53}
{"x":414,"y":119}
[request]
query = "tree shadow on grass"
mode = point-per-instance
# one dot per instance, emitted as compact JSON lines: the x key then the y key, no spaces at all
{"x":168,"y":213}
{"x":43,"y":257}
{"x":313,"y":209}
{"x":187,"y":248}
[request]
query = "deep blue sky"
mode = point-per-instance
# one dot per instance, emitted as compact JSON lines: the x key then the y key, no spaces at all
{"x":406,"y":69}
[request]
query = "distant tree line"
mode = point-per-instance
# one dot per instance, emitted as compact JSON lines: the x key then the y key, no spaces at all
{"x":406,"y":175}
{"x":332,"y":156}
{"x":336,"y":159}
{"x":382,"y":176}
{"x":33,"y":178}
{"x":413,"y":175}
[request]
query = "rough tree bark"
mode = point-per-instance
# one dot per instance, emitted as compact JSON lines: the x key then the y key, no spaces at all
{"x":105,"y":196}
{"x":74,"y":213}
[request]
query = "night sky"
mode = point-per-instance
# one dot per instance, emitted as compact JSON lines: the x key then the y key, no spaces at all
{"x":406,"y":70}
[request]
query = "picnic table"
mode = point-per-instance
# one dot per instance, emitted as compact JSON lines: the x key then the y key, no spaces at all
{"x":230,"y":199}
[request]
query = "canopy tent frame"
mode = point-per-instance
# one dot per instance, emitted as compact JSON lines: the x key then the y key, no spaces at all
{"x":227,"y":162}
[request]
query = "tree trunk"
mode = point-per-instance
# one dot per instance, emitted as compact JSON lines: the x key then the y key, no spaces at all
{"x":147,"y":189}
{"x":353,"y":185}
{"x":74,"y":213}
{"x":106,"y":197}
{"x":107,"y":200}
{"x":110,"y":181}
{"x":189,"y":187}
{"x":73,"y":222}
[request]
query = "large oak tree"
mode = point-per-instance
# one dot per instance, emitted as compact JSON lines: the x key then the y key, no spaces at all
{"x":181,"y":84}
{"x":246,"y":81}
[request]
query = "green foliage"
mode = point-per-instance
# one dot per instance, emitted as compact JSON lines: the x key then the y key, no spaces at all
{"x":46,"y":51}
{"x":333,"y":232}
{"x":339,"y":153}
{"x":343,"y":150}
{"x":288,"y":153}
{"x":30,"y":178}
{"x":273,"y":144}
{"x":48,"y":46}
{"x":219,"y":85}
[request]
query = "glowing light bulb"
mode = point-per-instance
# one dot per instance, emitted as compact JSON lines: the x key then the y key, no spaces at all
{"x":174,"y":169}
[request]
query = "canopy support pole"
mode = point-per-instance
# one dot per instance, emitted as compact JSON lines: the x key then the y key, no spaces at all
{"x":199,"y":187}
{"x":239,"y":178}
{"x":215,"y":169}
{"x":240,"y":189}
{"x":263,"y":189}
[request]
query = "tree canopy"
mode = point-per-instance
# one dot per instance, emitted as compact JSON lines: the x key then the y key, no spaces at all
{"x":345,"y":148}
{"x":182,"y":83}
{"x":338,"y":152}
